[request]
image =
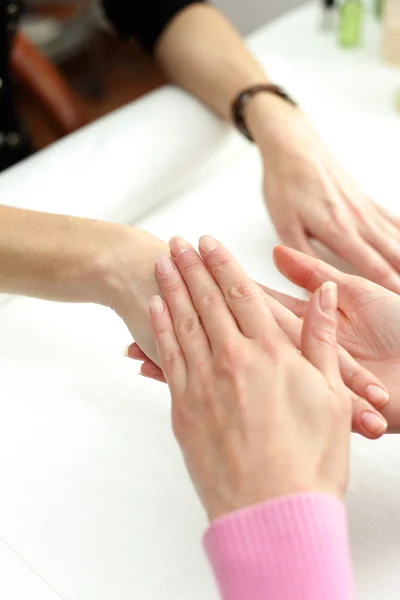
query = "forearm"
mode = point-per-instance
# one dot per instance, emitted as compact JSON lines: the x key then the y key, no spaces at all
{"x":69,"y":259}
{"x":201,"y":51}
{"x":49,"y":256}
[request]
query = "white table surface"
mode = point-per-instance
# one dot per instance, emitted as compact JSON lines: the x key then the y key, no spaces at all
{"x":95,"y":502}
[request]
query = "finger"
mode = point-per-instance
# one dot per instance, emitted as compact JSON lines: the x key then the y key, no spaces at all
{"x":188,"y":327}
{"x":361,"y":381}
{"x":307,"y":272}
{"x":388,"y":216}
{"x":169,"y":350}
{"x":243,"y":296}
{"x":296,"y":306}
{"x":381,"y":233}
{"x":133,"y":351}
{"x":205,"y":294}
{"x":286,"y":320}
{"x":385,"y":220}
{"x":318,"y":339}
{"x":367,"y":421}
{"x":293,"y":235}
{"x":378,"y":236}
{"x":356,"y":378}
{"x":151,"y":371}
{"x":352,"y":248}
{"x":148,"y":368}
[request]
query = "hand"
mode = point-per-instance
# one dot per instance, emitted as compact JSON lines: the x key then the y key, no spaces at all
{"x":255,"y":418}
{"x":368,"y":319}
{"x":308,"y":195}
{"x":129,"y":281}
{"x":368,"y":393}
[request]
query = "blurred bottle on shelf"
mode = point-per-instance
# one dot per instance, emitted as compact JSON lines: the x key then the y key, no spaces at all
{"x":329,"y":15}
{"x":379,"y":4}
{"x":390,"y":48}
{"x":350,"y":23}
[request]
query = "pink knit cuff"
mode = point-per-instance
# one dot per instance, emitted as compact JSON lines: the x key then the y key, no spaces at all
{"x":292,"y":548}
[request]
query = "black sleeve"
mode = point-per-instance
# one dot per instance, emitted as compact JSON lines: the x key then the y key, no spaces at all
{"x":143,"y":19}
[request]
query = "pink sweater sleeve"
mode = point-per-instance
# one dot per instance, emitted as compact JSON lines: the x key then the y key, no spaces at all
{"x":292,"y":548}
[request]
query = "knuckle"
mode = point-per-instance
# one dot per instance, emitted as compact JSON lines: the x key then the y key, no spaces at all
{"x":336,"y":216}
{"x":188,"y":262}
{"x":170,"y":358}
{"x":232,"y":358}
{"x":242,"y":291}
{"x":272,"y":347}
{"x":382,"y":272}
{"x":210,"y":298}
{"x":161,"y":327}
{"x":355,"y":377}
{"x":286,"y":232}
{"x":172,"y":285}
{"x":187,"y":324}
{"x":220,"y":261}
{"x":325,"y":336}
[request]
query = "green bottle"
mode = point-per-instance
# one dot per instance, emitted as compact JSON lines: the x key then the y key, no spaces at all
{"x":379,"y":8}
{"x":351,"y":13}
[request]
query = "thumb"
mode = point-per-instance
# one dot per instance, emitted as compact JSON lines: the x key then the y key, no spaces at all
{"x":318,"y":340}
{"x":305,"y":271}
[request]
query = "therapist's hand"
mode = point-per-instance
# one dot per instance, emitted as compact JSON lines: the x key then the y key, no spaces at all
{"x":309,"y":195}
{"x":255,"y":418}
{"x":368,"y":319}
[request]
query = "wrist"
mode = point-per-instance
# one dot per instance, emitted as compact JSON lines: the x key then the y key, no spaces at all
{"x":128,"y":281}
{"x":266,"y":115}
{"x":224,"y":505}
{"x":126,"y":267}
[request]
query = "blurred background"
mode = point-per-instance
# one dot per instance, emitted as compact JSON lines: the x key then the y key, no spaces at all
{"x":98,"y":71}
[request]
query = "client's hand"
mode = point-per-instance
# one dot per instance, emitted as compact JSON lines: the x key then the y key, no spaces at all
{"x":368,"y":319}
{"x":128,"y":281}
{"x":367,"y":396}
{"x":255,"y":418}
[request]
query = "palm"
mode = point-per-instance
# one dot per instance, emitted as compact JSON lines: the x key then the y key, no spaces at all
{"x":368,"y":319}
{"x":369,"y":322}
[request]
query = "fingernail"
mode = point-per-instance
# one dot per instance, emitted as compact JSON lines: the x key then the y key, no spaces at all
{"x":328,"y":297}
{"x":126,"y":350}
{"x":178,"y":245}
{"x":375,"y":424}
{"x":376,"y":395}
{"x":156,"y":304}
{"x":207,"y":243}
{"x":164,"y":264}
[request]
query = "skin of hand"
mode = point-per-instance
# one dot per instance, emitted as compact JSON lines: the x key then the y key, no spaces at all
{"x":368,"y":319}
{"x":368,"y":394}
{"x":255,"y":418}
{"x":129,"y":281}
{"x":308,"y":195}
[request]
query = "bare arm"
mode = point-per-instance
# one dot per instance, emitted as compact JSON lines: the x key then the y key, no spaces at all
{"x":69,"y":259}
{"x":201,"y":51}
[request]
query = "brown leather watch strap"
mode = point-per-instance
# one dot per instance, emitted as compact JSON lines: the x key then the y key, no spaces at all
{"x":242,"y":99}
